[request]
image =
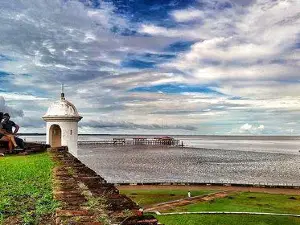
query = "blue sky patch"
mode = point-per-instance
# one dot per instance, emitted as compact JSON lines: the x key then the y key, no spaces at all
{"x":176,"y":88}
{"x":146,"y":60}
{"x":224,"y":5}
{"x":134,"y":63}
{"x":5,"y":58}
{"x":3,"y":74}
{"x":153,"y":56}
{"x":124,"y":32}
{"x":179,"y":46}
{"x":154,"y":11}
{"x":90,"y":3}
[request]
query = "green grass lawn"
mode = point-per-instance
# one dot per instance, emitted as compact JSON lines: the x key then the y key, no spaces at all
{"x":248,"y":202}
{"x":238,"y":201}
{"x":149,"y":197}
{"x":26,"y":188}
{"x":227,"y":220}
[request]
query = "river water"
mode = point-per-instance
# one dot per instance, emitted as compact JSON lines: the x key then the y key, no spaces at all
{"x":214,"y":159}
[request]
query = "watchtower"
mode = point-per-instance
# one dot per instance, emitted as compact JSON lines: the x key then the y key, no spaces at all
{"x":62,"y":124}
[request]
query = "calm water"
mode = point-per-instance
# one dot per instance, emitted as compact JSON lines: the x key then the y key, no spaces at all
{"x":272,"y":160}
{"x":137,"y":164}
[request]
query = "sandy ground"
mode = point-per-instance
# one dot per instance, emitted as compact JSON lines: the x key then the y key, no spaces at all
{"x":287,"y":191}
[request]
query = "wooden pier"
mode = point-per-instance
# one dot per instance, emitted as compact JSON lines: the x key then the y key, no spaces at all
{"x":155,"y":141}
{"x":135,"y":141}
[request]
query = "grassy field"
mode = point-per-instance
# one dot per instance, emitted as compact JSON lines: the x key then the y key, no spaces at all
{"x":248,"y":202}
{"x":235,"y":202}
{"x":149,"y":197}
{"x":227,"y":220}
{"x":26,"y":189}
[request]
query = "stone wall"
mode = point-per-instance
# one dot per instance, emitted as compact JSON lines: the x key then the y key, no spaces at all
{"x":86,"y":198}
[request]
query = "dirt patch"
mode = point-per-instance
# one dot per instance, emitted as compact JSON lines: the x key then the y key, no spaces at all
{"x":12,"y":220}
{"x":287,"y":191}
{"x":186,"y":201}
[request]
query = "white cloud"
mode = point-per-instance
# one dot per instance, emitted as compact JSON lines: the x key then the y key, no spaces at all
{"x":261,"y":127}
{"x":187,"y":15}
{"x":240,"y":43}
{"x":19,"y":97}
{"x":162,"y":31}
{"x":251,"y":129}
{"x":246,"y":127}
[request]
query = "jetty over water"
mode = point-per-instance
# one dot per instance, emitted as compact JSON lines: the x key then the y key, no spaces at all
{"x":169,"y":141}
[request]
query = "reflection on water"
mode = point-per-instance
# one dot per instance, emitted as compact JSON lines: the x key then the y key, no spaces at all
{"x":156,"y":164}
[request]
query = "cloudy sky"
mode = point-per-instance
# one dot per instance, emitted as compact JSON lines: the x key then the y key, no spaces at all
{"x":154,"y":66}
